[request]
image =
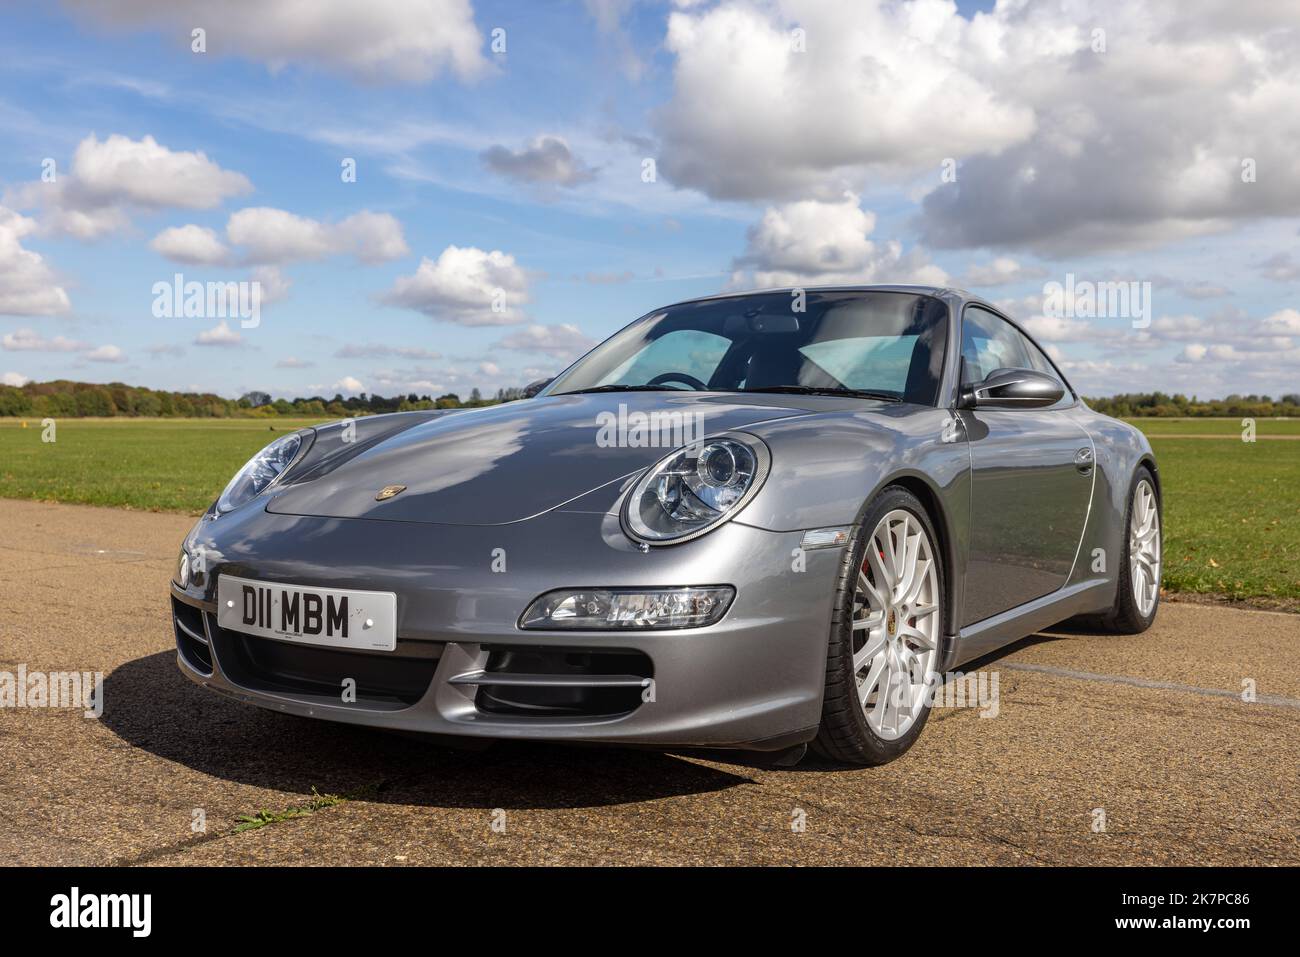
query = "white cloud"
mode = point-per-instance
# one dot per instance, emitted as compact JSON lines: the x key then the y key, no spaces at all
{"x":192,"y":245}
{"x":1200,"y":289}
{"x":106,"y":354}
{"x":145,"y":173}
{"x":1179,"y":136}
{"x":1001,"y":271}
{"x":1198,"y":370}
{"x":1280,"y":267}
{"x":1062,"y":329}
{"x":165,"y":349}
{"x":61,"y":219}
{"x":15,"y":379}
{"x":609,"y":16}
{"x":547,"y":160}
{"x":467,"y":286}
{"x":563,"y":340}
{"x":1283,"y":322}
{"x":825,"y":243}
{"x":29,"y":340}
{"x":404,"y":41}
{"x":375,"y":350}
{"x":1058,"y":147}
{"x":276,"y":236}
{"x":895,"y":86}
{"x":348,"y":384}
{"x":406,"y":381}
{"x":292,"y":362}
{"x":220,"y":335}
{"x":274,"y":284}
{"x":27,"y":284}
{"x":110,"y":179}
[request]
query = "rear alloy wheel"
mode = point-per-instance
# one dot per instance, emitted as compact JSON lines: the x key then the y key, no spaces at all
{"x":1137,"y":593}
{"x":887,"y":635}
{"x":1144,"y":548}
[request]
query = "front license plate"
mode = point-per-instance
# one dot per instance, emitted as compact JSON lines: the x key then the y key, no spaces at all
{"x":337,"y":617}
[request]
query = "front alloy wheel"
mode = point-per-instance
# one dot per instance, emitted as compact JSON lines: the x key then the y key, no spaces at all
{"x":886,"y":636}
{"x":895,"y":625}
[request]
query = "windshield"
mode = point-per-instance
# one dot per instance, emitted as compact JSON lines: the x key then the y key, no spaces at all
{"x":888,"y":344}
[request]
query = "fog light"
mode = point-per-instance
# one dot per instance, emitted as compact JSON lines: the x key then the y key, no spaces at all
{"x":629,"y":608}
{"x":183,"y":572}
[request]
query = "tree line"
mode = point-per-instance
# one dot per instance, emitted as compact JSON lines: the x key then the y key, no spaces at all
{"x":64,"y":399}
{"x":1160,"y":405}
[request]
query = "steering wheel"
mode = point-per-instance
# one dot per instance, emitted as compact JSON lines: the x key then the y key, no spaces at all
{"x":665,"y":377}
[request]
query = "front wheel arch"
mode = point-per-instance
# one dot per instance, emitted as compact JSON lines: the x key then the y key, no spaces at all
{"x":939,"y":519}
{"x":844,"y":733}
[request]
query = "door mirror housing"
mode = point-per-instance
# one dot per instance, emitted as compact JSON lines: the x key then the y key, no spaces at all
{"x":533,"y":388}
{"x":1013,"y":389}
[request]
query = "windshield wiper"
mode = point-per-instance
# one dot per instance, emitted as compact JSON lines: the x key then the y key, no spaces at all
{"x":824,"y":390}
{"x":623,"y":388}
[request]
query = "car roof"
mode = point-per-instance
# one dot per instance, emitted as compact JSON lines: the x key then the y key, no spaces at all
{"x":915,"y":289}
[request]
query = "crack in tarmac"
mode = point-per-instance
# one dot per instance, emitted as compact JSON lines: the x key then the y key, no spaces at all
{"x":1277,"y":701}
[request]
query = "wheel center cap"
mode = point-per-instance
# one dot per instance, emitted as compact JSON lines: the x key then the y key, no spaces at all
{"x":891,"y":621}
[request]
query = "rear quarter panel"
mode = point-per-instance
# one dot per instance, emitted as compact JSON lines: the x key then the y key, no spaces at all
{"x":1120,"y":449}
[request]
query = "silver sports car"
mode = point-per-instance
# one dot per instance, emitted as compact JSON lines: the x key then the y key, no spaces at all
{"x":760,"y":521}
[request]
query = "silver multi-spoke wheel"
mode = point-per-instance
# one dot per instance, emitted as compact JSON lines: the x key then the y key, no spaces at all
{"x":896,"y":624}
{"x":1144,"y":548}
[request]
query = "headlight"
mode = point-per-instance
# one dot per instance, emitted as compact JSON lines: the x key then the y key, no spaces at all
{"x":260,"y":471}
{"x":695,"y":489}
{"x":645,"y":608}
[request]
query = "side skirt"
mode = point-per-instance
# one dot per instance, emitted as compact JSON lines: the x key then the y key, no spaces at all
{"x":1081,"y":598}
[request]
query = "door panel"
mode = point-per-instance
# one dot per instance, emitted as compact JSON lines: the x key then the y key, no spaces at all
{"x":1029,"y":503}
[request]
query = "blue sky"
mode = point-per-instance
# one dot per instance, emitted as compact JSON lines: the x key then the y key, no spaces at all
{"x":779,"y":159}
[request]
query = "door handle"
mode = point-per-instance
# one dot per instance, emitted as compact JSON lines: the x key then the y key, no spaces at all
{"x":1083,"y":460}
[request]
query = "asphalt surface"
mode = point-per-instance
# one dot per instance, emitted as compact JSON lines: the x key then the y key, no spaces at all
{"x":1148,"y":729}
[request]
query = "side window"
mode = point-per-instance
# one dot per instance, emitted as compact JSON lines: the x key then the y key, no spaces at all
{"x":989,"y":343}
{"x":1042,"y":364}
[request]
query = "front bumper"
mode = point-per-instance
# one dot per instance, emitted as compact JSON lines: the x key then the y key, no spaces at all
{"x":753,"y":680}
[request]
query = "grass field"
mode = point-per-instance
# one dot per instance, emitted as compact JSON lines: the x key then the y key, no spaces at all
{"x":1232,"y":516}
{"x":1232,"y":508}
{"x":1225,"y":427}
{"x":158,"y":464}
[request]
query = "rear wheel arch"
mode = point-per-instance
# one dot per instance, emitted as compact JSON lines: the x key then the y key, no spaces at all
{"x":1149,"y":461}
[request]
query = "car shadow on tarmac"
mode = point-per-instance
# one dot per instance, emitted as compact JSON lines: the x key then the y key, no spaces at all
{"x":150,"y":705}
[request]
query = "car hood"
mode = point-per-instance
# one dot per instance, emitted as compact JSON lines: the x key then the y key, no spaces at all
{"x":509,"y":462}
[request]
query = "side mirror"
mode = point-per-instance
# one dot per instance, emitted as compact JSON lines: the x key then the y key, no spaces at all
{"x":533,"y":388}
{"x":1013,"y":389}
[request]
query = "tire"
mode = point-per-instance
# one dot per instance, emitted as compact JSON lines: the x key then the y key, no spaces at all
{"x":1127,"y":617}
{"x":846,"y":733}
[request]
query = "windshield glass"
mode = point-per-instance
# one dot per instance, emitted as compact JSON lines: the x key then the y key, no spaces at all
{"x":880,"y":342}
